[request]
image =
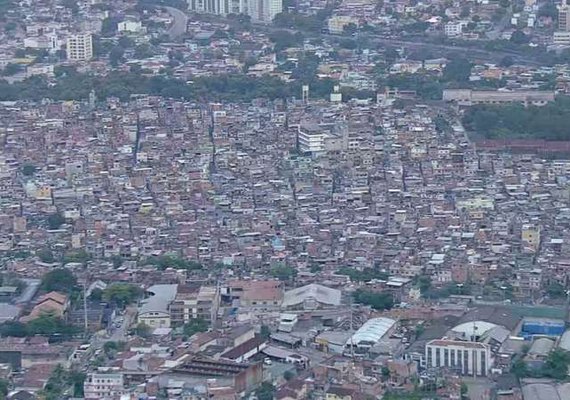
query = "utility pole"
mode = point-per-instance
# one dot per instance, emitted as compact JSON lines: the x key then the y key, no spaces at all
{"x":85,"y":321}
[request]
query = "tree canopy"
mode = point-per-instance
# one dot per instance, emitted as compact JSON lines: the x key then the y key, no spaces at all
{"x":122,"y":294}
{"x":194,"y":326}
{"x":172,"y":261}
{"x":283,"y":272}
{"x":549,"y":122}
{"x":378,"y":301}
{"x":59,"y":280}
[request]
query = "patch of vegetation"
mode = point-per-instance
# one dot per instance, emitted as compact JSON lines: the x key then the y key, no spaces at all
{"x":172,"y":261}
{"x":549,"y":122}
{"x":378,"y":301}
{"x":122,"y":294}
{"x":194,"y":326}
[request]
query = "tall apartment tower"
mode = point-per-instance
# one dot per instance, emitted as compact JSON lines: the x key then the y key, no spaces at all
{"x":80,"y":47}
{"x":264,"y":10}
{"x":564,"y":16}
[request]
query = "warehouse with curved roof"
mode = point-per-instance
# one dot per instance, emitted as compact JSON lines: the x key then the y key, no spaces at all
{"x":371,"y":332}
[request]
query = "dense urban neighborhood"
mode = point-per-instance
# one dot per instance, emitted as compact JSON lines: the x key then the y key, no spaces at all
{"x":277,"y":199}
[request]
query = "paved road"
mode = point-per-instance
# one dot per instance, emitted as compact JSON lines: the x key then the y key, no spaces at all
{"x":120,"y":333}
{"x":178,"y":27}
{"x":492,"y":56}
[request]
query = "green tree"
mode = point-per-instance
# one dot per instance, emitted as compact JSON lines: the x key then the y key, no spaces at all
{"x":45,"y":255}
{"x":378,"y":301}
{"x":142,"y":51}
{"x":4,"y":386}
{"x":13,"y":329}
{"x":283,"y":272}
{"x":265,"y":332}
{"x":116,"y":55}
{"x":457,"y":70}
{"x":126,"y":42}
{"x":266,"y":391}
{"x":111,"y":348}
{"x":194,"y":326}
{"x":71,"y":5}
{"x":109,"y":26}
{"x":519,"y":37}
{"x":76,"y":379}
{"x":28,"y":169}
{"x":556,"y":365}
{"x":56,"y":220}
{"x":59,"y":280}
{"x":142,"y":330}
{"x":49,"y":324}
{"x":117,"y":261}
{"x":288,"y":375}
{"x":464,"y":390}
{"x":519,"y":368}
{"x":96,"y":295}
{"x":556,"y":291}
{"x":506,"y":61}
{"x":11,"y":69}
{"x":122,"y":294}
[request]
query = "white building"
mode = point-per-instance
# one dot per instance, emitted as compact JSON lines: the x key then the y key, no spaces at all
{"x":80,"y":47}
{"x":337,"y":23}
{"x":258,"y":10}
{"x":103,"y":386}
{"x":154,"y":311}
{"x":454,"y":28}
{"x":564,"y":16}
{"x":130,"y":26}
{"x":464,"y":358}
{"x":264,"y":10}
{"x":48,"y":42}
{"x":371,"y":332}
{"x":316,"y":138}
{"x":218,"y":7}
{"x":561,"y":38}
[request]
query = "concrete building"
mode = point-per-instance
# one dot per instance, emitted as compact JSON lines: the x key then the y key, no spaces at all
{"x":337,"y":23}
{"x":80,"y":47}
{"x":130,"y":26}
{"x":454,"y":28}
{"x":561,"y":38}
{"x":468,"y":97}
{"x":465,"y":358}
{"x":218,"y":7}
{"x":371,"y":332}
{"x":530,"y":236}
{"x":264,"y":10}
{"x":320,"y":138}
{"x":103,"y":386}
{"x":192,"y":303}
{"x":154,"y":311}
{"x":258,"y":10}
{"x":311,"y":297}
{"x":564,"y":16}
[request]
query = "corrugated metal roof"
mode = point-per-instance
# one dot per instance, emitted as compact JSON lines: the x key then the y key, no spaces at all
{"x":372,"y":331}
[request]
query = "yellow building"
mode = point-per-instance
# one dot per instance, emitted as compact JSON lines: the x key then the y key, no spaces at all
{"x":530,"y":236}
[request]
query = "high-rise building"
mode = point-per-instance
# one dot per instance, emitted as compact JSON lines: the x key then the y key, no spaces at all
{"x":218,"y":7}
{"x":264,"y":10}
{"x":564,"y":16}
{"x":80,"y":47}
{"x":258,"y":10}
